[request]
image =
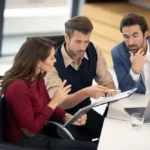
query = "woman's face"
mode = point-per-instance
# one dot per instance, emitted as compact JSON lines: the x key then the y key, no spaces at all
{"x":47,"y":65}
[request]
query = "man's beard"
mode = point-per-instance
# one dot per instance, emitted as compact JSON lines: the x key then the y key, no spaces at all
{"x":134,"y":49}
{"x":76,"y":55}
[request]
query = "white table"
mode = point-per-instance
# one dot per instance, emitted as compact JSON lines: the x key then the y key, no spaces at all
{"x":119,"y":135}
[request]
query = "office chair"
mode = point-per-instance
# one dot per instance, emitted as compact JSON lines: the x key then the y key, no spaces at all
{"x":13,"y":147}
{"x":2,"y":119}
{"x":3,"y":144}
{"x":58,"y":39}
{"x":61,"y":130}
{"x":8,"y":146}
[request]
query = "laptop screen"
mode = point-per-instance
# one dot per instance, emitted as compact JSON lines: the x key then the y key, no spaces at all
{"x":135,"y":110}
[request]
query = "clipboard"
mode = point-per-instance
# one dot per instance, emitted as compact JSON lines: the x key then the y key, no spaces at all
{"x":119,"y":96}
{"x":100,"y":101}
{"x":79,"y":113}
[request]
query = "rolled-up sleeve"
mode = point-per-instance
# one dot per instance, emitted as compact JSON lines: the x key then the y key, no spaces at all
{"x":52,"y":81}
{"x":103,"y":76}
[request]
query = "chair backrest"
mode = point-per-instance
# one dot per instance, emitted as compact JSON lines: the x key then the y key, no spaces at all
{"x":2,"y":119}
{"x":59,"y":39}
{"x":6,"y":146}
{"x":63,"y":132}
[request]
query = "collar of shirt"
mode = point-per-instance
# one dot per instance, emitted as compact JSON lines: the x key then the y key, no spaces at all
{"x":146,"y":70}
{"x":67,"y":59}
{"x":143,"y":70}
{"x":148,"y":52}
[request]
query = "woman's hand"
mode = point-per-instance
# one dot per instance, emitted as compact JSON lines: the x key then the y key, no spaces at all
{"x":81,"y":120}
{"x":60,"y":95}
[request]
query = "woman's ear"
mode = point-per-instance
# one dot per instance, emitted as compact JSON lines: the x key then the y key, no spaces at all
{"x":39,"y":64}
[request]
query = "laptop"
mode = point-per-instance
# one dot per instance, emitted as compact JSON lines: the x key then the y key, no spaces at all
{"x":143,"y":110}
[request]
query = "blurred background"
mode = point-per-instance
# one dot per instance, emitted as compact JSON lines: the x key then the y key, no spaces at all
{"x":22,"y":18}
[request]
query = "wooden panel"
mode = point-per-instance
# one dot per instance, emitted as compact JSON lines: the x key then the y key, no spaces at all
{"x":103,"y":43}
{"x":112,"y":13}
{"x":147,"y":1}
{"x":106,"y":19}
{"x":106,"y":46}
{"x":107,"y":31}
{"x":108,"y":59}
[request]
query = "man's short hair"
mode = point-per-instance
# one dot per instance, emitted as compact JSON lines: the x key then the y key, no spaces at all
{"x":134,"y":19}
{"x":79,"y":23}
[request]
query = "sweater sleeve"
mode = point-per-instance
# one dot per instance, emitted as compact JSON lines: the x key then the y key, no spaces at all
{"x":58,"y":112}
{"x":20,"y":98}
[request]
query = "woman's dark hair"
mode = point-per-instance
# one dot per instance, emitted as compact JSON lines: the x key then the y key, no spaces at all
{"x":134,"y":19}
{"x":26,"y":60}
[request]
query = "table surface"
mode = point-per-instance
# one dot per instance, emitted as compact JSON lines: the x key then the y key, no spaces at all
{"x":119,"y":135}
{"x":116,"y":109}
{"x":117,"y":132}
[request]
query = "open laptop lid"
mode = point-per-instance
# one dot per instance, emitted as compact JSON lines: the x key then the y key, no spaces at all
{"x":147,"y":113}
{"x":143,"y":110}
{"x":132,"y":110}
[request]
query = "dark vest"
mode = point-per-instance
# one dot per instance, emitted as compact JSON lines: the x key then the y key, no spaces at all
{"x":80,"y":78}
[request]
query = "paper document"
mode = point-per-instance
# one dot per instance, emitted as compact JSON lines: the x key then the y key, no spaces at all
{"x":100,"y":109}
{"x":122,"y":95}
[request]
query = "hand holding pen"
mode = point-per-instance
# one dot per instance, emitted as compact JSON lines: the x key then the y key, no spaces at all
{"x":112,"y":92}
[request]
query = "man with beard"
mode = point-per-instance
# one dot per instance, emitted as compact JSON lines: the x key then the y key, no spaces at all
{"x":131,"y":58}
{"x":79,"y":61}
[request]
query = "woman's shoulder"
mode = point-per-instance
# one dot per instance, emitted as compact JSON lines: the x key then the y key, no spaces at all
{"x":16,"y":87}
{"x":18,"y":83}
{"x":22,"y":85}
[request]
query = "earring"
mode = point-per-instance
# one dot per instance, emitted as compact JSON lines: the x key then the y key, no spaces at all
{"x":39,"y":68}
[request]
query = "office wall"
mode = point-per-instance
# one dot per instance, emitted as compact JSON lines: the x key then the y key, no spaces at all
{"x":92,"y":1}
{"x":34,"y":3}
{"x":142,"y":3}
{"x":2,"y":4}
{"x":35,"y":16}
{"x":23,"y":18}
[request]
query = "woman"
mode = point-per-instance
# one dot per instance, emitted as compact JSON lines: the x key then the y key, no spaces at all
{"x":28,"y":104}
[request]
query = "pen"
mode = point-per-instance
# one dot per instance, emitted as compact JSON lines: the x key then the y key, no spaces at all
{"x":113,"y":90}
